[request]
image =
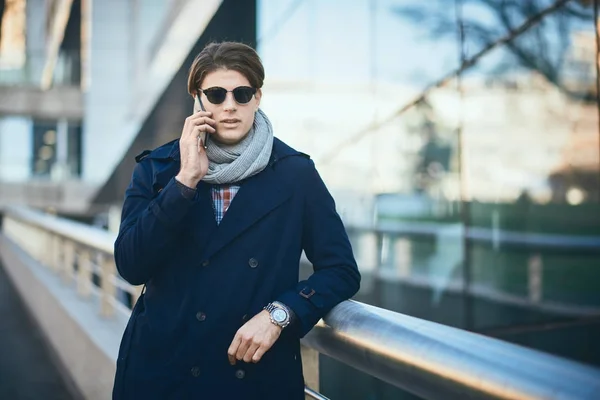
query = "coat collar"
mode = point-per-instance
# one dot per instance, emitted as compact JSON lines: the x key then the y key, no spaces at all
{"x":168,"y":150}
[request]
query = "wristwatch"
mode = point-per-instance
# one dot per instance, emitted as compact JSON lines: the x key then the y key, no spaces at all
{"x":280,"y":314}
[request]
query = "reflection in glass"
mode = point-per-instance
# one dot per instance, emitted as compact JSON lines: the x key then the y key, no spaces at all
{"x":472,"y":202}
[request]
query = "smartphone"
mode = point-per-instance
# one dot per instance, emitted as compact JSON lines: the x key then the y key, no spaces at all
{"x":206,"y":135}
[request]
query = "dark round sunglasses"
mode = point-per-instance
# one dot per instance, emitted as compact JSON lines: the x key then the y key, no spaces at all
{"x":241,"y":94}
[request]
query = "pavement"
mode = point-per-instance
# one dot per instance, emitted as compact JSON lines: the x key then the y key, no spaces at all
{"x":28,"y":370}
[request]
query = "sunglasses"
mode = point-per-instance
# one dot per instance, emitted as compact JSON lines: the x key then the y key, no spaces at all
{"x":241,"y":94}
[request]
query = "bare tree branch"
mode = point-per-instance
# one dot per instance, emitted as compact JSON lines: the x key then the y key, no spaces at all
{"x":541,"y":51}
{"x":468,"y":63}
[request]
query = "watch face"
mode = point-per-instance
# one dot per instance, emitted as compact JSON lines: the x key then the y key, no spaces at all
{"x":279,"y":315}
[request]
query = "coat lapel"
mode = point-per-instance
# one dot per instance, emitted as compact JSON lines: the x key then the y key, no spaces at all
{"x":256,"y":197}
{"x":203,"y":217}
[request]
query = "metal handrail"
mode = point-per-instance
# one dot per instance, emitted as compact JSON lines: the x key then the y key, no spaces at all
{"x":314,"y":395}
{"x":429,"y":359}
{"x":440,"y":362}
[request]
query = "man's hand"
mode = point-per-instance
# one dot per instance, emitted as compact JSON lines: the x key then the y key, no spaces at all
{"x":194,"y":163}
{"x":254,"y":339}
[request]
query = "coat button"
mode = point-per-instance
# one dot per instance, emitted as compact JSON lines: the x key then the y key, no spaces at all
{"x":253,"y":263}
{"x":205,"y":263}
{"x":200,"y":316}
{"x":195,"y":372}
{"x":245,"y":317}
{"x":240,"y":374}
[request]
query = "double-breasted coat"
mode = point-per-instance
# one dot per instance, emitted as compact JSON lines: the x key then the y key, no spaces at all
{"x":205,"y":280}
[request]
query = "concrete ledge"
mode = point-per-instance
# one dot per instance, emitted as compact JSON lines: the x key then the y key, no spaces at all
{"x":59,"y":102}
{"x":85,"y":343}
{"x":70,"y":197}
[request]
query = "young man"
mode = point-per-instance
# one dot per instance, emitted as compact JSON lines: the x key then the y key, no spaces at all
{"x":214,"y":224}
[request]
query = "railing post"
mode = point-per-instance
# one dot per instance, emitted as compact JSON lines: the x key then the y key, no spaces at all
{"x":84,"y":274}
{"x":310,"y":367}
{"x":68,"y":261}
{"x":45,"y":252}
{"x":56,"y":253}
{"x":369,"y":250}
{"x":49,"y":250}
{"x":108,"y":287}
{"x":403,"y":257}
{"x":535,"y":269}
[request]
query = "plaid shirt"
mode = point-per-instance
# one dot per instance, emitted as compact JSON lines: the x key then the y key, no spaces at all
{"x":222,"y":197}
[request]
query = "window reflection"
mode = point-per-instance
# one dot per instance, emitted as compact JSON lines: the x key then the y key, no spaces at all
{"x":56,"y":149}
{"x":474,"y":202}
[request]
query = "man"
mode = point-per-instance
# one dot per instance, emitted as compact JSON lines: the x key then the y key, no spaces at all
{"x":214,"y":225}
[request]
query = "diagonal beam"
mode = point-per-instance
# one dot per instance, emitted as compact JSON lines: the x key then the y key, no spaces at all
{"x":57,"y":34}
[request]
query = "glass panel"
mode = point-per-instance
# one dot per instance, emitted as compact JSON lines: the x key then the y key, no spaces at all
{"x":531,"y":166}
{"x":44,"y":147}
{"x":74,"y":149}
{"x":470,"y":195}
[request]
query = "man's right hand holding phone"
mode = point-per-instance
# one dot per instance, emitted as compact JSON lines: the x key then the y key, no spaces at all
{"x":194,"y":162}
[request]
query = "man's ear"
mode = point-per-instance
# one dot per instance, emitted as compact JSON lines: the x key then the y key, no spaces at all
{"x":196,"y":105}
{"x":258,"y":96}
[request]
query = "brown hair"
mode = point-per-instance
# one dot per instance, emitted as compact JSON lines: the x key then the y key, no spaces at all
{"x":229,"y":55}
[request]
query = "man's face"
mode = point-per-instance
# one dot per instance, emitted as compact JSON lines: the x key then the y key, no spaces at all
{"x":234,"y":120}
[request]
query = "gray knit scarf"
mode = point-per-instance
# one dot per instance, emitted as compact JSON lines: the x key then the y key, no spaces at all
{"x":233,"y":163}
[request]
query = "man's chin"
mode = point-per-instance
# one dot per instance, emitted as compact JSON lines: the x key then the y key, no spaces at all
{"x":230,"y":138}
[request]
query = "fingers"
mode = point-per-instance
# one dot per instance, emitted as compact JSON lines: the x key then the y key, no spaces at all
{"x":203,"y":128}
{"x":248,"y":349}
{"x":247,"y":357}
{"x":258,"y":354}
{"x":233,"y":348}
{"x":201,"y":120}
{"x":245,"y":344}
{"x":201,"y":113}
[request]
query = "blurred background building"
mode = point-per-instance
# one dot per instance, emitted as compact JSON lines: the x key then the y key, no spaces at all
{"x":470,"y":190}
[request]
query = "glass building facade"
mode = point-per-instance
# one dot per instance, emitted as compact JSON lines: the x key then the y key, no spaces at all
{"x":463,"y":154}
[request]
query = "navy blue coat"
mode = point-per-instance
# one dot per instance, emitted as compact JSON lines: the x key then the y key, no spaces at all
{"x":204,"y":281}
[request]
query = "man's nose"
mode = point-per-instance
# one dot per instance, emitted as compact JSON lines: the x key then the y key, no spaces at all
{"x":229,"y":104}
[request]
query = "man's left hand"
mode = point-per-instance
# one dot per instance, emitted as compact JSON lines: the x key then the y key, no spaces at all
{"x":254,"y":339}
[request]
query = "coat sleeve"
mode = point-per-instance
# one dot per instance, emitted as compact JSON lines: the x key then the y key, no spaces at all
{"x":149,"y":226}
{"x":336,"y":277}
